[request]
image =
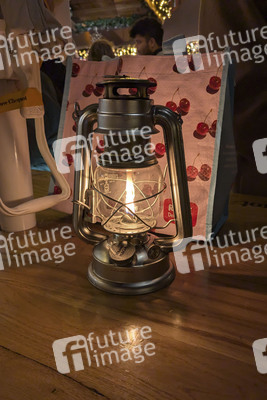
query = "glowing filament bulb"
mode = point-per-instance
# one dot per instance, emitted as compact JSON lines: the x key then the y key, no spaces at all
{"x":130,"y":194}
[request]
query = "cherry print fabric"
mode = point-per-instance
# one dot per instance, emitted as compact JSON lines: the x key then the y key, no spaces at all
{"x":209,"y":150}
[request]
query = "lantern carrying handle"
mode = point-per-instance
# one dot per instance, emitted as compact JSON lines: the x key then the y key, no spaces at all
{"x":171,"y":124}
{"x":83,"y":179}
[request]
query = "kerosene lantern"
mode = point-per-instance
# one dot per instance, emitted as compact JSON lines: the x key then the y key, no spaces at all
{"x":125,"y":192}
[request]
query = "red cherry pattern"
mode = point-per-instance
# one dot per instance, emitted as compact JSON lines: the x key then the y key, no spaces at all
{"x":171,"y":105}
{"x":202,"y":128}
{"x":213,"y":128}
{"x":191,"y":172}
{"x":69,"y":159}
{"x":152,"y":90}
{"x":133,"y":91}
{"x":184,"y":105}
{"x":215,"y":83}
{"x":98,"y":91}
{"x":214,"y":125}
{"x":205,"y":172}
{"x":194,"y":213}
{"x":160,"y":150}
{"x":101,"y":146}
{"x":89,"y":89}
{"x":75,"y":70}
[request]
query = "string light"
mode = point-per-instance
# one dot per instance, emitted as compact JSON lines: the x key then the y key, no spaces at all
{"x":192,"y":47}
{"x":162,"y":8}
{"x":83,"y":54}
{"x":128,"y":50}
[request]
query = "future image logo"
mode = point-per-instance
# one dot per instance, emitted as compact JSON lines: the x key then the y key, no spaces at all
{"x":197,"y":253}
{"x":70,"y":148}
{"x":241,"y":46}
{"x":34,"y":47}
{"x":180,"y":53}
{"x":4,"y":245}
{"x":260,"y":353}
{"x":27,"y":248}
{"x":73,"y":353}
{"x":260,"y":154}
{"x":1,"y":63}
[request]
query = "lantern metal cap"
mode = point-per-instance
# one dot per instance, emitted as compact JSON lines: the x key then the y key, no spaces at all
{"x":125,"y":79}
{"x":113,"y":83}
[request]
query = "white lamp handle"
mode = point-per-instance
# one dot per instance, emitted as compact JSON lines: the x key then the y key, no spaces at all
{"x":42,"y":203}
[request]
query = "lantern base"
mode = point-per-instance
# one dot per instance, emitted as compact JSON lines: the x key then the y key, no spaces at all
{"x":130,"y":280}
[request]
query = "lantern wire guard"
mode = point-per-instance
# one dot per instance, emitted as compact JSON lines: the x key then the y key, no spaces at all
{"x":126,"y":206}
{"x":121,"y":206}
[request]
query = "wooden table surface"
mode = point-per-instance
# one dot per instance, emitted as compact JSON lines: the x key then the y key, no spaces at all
{"x":203,"y":327}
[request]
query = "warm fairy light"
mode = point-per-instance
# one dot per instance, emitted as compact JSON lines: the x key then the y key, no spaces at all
{"x":83,"y":54}
{"x":192,"y":47}
{"x":128,"y":50}
{"x":130,"y":194}
{"x":162,"y":8}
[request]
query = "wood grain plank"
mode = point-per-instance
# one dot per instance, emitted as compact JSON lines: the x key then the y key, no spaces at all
{"x":203,"y":327}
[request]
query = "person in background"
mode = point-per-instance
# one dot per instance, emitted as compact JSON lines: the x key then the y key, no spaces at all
{"x":148,"y":34}
{"x":101,"y":50}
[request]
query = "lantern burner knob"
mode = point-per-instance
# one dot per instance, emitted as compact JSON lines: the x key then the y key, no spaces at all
{"x":122,"y":253}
